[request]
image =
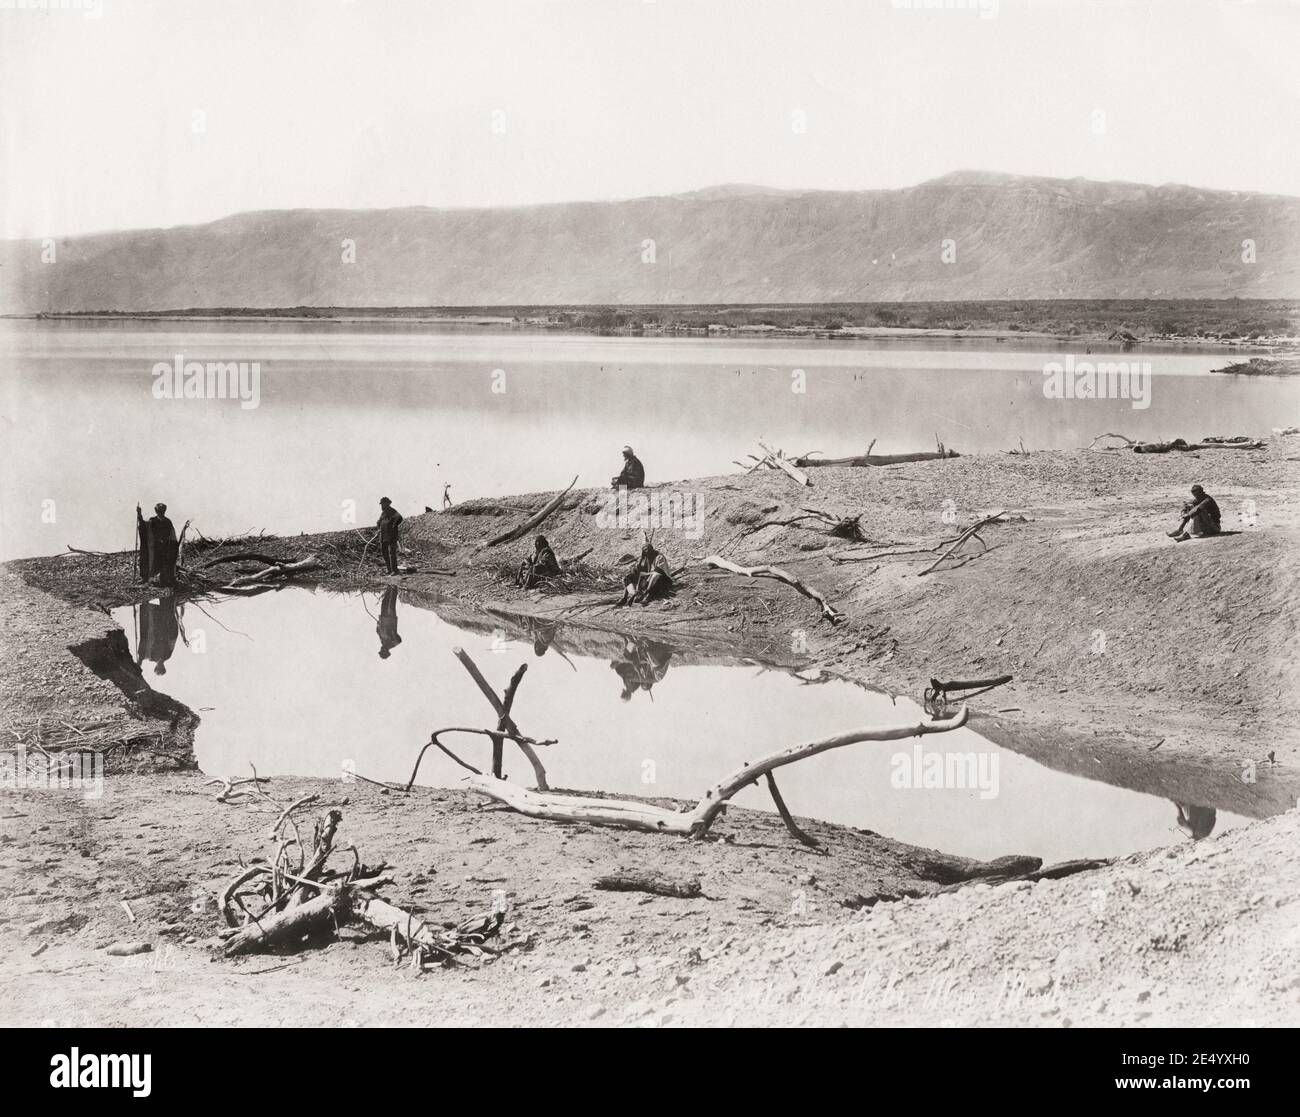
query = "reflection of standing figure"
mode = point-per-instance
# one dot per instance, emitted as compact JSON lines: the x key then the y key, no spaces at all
{"x":387,"y":626}
{"x":1196,"y":822}
{"x":644,"y":664}
{"x":158,"y":633}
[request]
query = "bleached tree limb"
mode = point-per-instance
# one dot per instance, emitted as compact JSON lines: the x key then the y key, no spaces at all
{"x":534,"y":520}
{"x":506,"y":722}
{"x":970,"y":532}
{"x":828,"y":612}
{"x":778,"y":460}
{"x":283,"y":928}
{"x":271,"y":573}
{"x":785,"y":814}
{"x":645,"y":816}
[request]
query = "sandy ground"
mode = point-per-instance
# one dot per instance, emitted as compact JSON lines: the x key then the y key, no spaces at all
{"x":1177,"y":936}
{"x":1136,"y":659}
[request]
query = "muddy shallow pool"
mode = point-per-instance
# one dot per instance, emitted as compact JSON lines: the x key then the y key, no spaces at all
{"x":314,"y":683}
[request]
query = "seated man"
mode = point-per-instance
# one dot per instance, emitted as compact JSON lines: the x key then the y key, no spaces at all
{"x":1202,"y":513}
{"x":651,"y":577}
{"x":633,"y":473}
{"x":542,"y":563}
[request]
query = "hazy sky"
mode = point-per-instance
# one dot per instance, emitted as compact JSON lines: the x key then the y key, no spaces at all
{"x":164,"y":112}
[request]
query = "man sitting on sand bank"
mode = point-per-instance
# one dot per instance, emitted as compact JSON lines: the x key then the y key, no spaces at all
{"x":542,"y":563}
{"x":1202,"y":513}
{"x":651,"y":577}
{"x":633,"y":473}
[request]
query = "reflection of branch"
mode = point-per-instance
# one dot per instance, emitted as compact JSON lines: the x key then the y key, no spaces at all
{"x":232,"y":631}
{"x":433,"y":742}
{"x":503,"y":713}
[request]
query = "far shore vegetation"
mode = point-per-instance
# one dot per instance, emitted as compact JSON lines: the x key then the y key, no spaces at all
{"x":1241,"y":321}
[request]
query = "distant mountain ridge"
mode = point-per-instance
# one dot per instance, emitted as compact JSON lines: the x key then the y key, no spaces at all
{"x":967,"y":235}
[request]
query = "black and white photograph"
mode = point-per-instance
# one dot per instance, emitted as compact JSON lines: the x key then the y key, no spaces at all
{"x":649,"y":514}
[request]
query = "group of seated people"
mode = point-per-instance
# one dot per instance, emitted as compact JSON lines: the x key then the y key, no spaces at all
{"x":650,"y":578}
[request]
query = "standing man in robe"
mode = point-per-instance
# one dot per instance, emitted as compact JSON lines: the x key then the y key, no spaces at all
{"x":390,"y":519}
{"x":163,"y":546}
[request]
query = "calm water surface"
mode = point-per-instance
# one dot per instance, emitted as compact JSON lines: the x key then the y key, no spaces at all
{"x":294,"y":682}
{"x":349,"y":413}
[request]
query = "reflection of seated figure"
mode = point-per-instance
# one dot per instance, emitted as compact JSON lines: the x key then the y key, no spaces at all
{"x":158,"y":633}
{"x":543,"y":637}
{"x":1196,"y":822}
{"x":643,"y":664}
{"x":387,"y":626}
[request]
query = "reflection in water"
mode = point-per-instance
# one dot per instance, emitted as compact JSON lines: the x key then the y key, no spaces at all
{"x":708,"y":715}
{"x":1196,"y":822}
{"x":544,"y":637}
{"x":642,"y":664}
{"x":159,"y":628}
{"x":387,"y":624}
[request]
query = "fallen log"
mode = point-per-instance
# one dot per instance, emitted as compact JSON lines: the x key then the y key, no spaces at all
{"x":534,"y":520}
{"x":653,"y":883}
{"x":644,"y":816}
{"x":245,"y":556}
{"x":290,"y":927}
{"x":1181,"y":444}
{"x":877,"y":459}
{"x":828,"y":612}
{"x":272,"y":573}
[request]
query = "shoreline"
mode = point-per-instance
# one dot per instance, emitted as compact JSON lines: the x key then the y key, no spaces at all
{"x":576,"y":322}
{"x":1154,"y":713}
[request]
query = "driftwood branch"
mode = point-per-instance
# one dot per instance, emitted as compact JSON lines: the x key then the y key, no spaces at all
{"x":274,"y":573}
{"x":534,"y":520}
{"x":786,"y":817}
{"x":1122,"y":437}
{"x":506,"y":722}
{"x":779,"y":461}
{"x":695,"y":823}
{"x":775,"y":572}
{"x":291,"y":926}
{"x":653,"y":883}
{"x":971,"y":532}
{"x":434,"y":741}
{"x":877,"y":459}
